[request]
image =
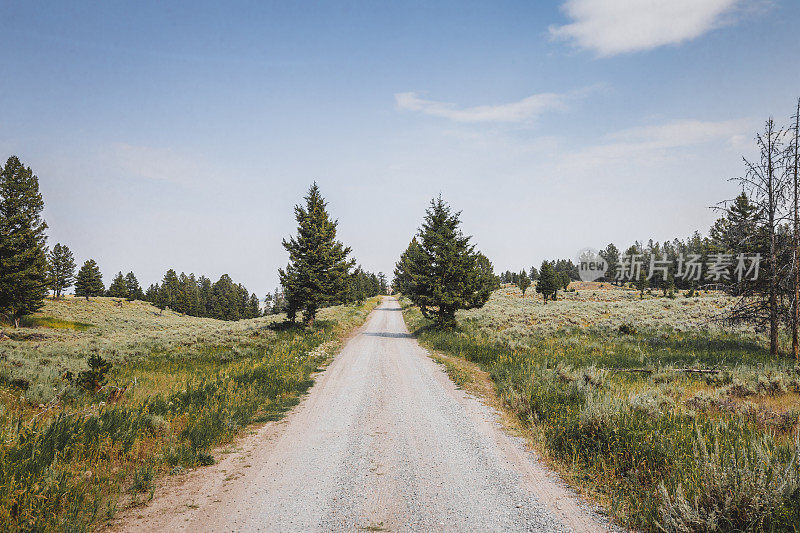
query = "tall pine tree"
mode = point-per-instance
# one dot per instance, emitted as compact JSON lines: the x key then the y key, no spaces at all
{"x":89,"y":281}
{"x":318,"y":271}
{"x":23,"y":263}
{"x":62,"y":269}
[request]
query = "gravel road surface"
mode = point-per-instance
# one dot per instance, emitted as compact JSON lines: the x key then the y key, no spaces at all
{"x":383,"y":442}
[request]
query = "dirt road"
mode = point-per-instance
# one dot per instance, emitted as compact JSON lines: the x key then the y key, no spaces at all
{"x":384,"y":441}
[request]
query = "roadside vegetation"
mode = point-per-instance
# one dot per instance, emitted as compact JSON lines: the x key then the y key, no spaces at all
{"x":672,"y":422}
{"x":102,"y":392}
{"x":99,"y":399}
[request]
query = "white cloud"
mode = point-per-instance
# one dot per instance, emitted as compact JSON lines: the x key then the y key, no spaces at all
{"x":524,"y":110}
{"x":677,"y":133}
{"x":670,"y":142}
{"x":611,"y":27}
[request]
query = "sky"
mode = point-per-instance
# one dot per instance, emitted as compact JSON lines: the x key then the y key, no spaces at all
{"x":181,"y":135}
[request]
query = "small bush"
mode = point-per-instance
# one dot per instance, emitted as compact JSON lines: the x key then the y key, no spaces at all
{"x":627,"y":329}
{"x":142,"y":479}
{"x":95,"y":377}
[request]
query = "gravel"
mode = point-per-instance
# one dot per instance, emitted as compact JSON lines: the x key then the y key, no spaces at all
{"x":384,"y":441}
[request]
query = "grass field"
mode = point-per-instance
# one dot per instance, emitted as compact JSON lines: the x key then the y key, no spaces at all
{"x":178,"y":386}
{"x":671,"y":421}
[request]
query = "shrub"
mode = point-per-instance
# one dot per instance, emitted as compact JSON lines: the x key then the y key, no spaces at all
{"x":142,"y":479}
{"x":95,"y":377}
{"x":739,"y":486}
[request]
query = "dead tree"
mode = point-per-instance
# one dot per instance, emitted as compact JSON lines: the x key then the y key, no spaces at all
{"x":794,"y":166}
{"x":766,"y":181}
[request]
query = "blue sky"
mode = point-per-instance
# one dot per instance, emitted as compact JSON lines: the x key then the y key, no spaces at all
{"x":181,"y":135}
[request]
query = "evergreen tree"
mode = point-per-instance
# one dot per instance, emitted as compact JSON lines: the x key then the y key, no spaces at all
{"x":225,"y":299}
{"x":440,"y":271}
{"x":548,"y":282}
{"x":244,"y":301}
{"x":611,"y":256}
{"x":357,"y":290}
{"x":89,"y":281}
{"x":278,"y":302}
{"x":151,"y":295}
{"x":384,"y":287}
{"x":169,"y":291}
{"x":253,"y":307}
{"x":23,"y":261}
{"x":565,"y":280}
{"x":118,"y":288}
{"x":524,"y":282}
{"x":62,"y":269}
{"x":485,"y":281}
{"x":318,"y":269}
{"x":534,"y":275}
{"x":669,"y":288}
{"x":406,"y":273}
{"x":642,"y":284}
{"x":132,"y":287}
{"x":188,"y":295}
{"x":204,"y":295}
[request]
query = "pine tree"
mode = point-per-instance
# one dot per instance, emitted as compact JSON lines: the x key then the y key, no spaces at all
{"x":318,"y":269}
{"x":62,"y":269}
{"x":406,"y":272}
{"x":486,"y":282}
{"x":669,"y":288}
{"x":253,"y":307}
{"x":548,"y":282}
{"x":204,"y":296}
{"x":642,"y":284}
{"x":133,"y":287}
{"x":118,"y":288}
{"x":169,"y":291}
{"x":23,"y":261}
{"x":188,"y":295}
{"x":440,"y":271}
{"x":151,"y":295}
{"x":89,"y":281}
{"x":225,"y":299}
{"x":278,"y":302}
{"x":524,"y":282}
{"x":611,"y":256}
{"x":565,"y":280}
{"x":356,"y":289}
{"x":384,"y":287}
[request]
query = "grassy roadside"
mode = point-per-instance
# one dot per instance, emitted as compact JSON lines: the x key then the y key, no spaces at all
{"x":65,"y":465}
{"x":661,"y":449}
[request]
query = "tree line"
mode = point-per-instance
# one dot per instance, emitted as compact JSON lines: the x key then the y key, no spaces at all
{"x":318,"y":273}
{"x":28,"y":270}
{"x":198,"y":296}
{"x":548,"y":279}
{"x":761,"y":223}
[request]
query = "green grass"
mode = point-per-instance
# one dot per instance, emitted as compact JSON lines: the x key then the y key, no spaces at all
{"x":51,"y":322}
{"x":70,"y":464}
{"x":663,"y":449}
